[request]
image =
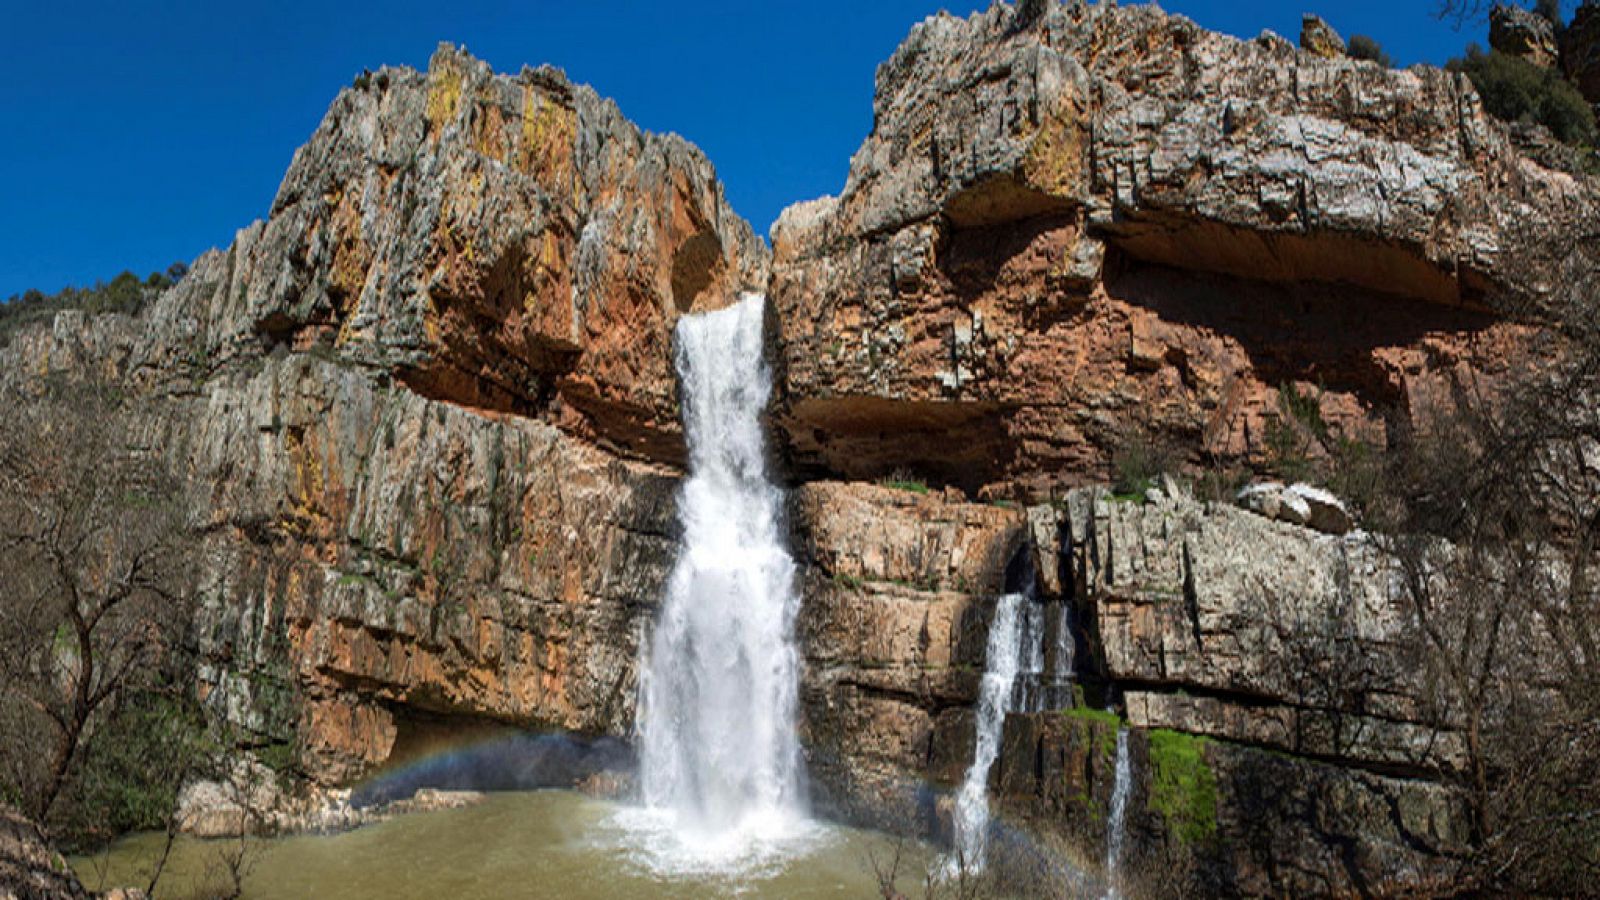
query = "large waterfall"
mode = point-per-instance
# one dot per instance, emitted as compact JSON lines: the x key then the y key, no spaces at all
{"x":720,"y":763}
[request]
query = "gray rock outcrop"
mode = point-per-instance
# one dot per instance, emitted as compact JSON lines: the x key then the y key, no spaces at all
{"x":1518,"y":32}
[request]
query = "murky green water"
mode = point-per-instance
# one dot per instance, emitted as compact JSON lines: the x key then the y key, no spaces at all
{"x":536,"y":844}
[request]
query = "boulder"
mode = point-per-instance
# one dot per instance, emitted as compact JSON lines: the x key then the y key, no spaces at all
{"x":1297,"y":504}
{"x":247,"y":801}
{"x":1324,"y":511}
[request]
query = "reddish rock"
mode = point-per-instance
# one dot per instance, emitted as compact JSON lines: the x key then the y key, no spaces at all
{"x":1107,"y":222}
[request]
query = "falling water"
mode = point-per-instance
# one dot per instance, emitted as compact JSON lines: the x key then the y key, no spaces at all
{"x":1015,"y":650}
{"x":1119,"y":808}
{"x":718,"y":753}
{"x":1065,"y":650}
{"x":1030,"y":666}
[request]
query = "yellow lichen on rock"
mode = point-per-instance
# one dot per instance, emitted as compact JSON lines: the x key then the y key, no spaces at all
{"x":444,"y":95}
{"x":1055,"y":161}
{"x":548,"y":132}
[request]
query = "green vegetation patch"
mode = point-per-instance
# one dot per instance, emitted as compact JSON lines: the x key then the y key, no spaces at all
{"x":915,"y":487}
{"x":1138,"y":462}
{"x":1108,"y":723}
{"x":1516,"y":90}
{"x":124,"y":294}
{"x":1182,"y":787}
{"x":133,"y":768}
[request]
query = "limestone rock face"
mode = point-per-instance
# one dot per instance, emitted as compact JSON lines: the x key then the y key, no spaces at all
{"x":511,"y":244}
{"x":1518,"y":32}
{"x":1280,"y":825}
{"x":1224,"y":623}
{"x":428,"y":414}
{"x":1106,"y":219}
{"x":438,"y":561}
{"x":1268,"y":662}
{"x":1580,"y":50}
{"x":1318,"y":38}
{"x":898,"y":588}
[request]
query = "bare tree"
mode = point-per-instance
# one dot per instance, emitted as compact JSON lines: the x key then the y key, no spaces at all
{"x":1496,"y":532}
{"x":1461,"y":12}
{"x":93,"y":586}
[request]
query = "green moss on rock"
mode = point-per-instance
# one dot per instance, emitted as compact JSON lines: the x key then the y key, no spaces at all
{"x":1107,"y":723}
{"x":1182,"y":787}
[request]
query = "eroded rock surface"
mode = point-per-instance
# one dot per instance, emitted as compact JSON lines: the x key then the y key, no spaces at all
{"x":898,"y":589}
{"x":428,"y":410}
{"x":1106,"y":220}
{"x":429,"y":416}
{"x":510,"y":244}
{"x":1522,"y":33}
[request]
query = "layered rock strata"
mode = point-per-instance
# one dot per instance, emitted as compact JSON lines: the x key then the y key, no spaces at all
{"x":428,"y":414}
{"x":1105,"y":221}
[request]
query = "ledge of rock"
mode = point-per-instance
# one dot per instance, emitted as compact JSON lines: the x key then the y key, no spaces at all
{"x":504,"y":243}
{"x":1068,"y":227}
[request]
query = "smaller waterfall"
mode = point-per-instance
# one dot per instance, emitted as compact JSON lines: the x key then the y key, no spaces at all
{"x":1029,"y":693}
{"x":1119,"y":809}
{"x":1013,"y":658}
{"x":1063,"y":675}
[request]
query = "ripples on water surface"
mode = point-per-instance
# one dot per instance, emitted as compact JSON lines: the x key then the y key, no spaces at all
{"x":534,"y":844}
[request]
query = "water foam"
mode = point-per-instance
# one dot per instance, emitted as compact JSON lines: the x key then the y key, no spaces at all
{"x":720,"y":770}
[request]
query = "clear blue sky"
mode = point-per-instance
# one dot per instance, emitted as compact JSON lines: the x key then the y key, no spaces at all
{"x":139,"y":133}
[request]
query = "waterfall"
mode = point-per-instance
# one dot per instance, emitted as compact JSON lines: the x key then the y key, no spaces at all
{"x":1065,"y":651}
{"x":718,"y":753}
{"x":1015,"y":650}
{"x":1119,"y":809}
{"x":1029,"y":694}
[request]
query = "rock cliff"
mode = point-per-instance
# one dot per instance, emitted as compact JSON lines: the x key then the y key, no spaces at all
{"x":428,"y":410}
{"x":1101,"y":220}
{"x":428,"y":413}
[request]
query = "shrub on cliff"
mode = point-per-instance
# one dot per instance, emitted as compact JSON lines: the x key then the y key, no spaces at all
{"x":1363,"y":47}
{"x":125,"y":293}
{"x":1515,"y":90}
{"x":1138,"y":462}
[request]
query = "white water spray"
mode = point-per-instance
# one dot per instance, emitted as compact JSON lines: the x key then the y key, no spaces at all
{"x":719,"y":761}
{"x":1015,"y":649}
{"x":1119,"y":809}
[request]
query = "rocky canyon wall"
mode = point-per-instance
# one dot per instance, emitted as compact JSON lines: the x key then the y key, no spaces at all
{"x":428,"y":414}
{"x":1096,"y":221}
